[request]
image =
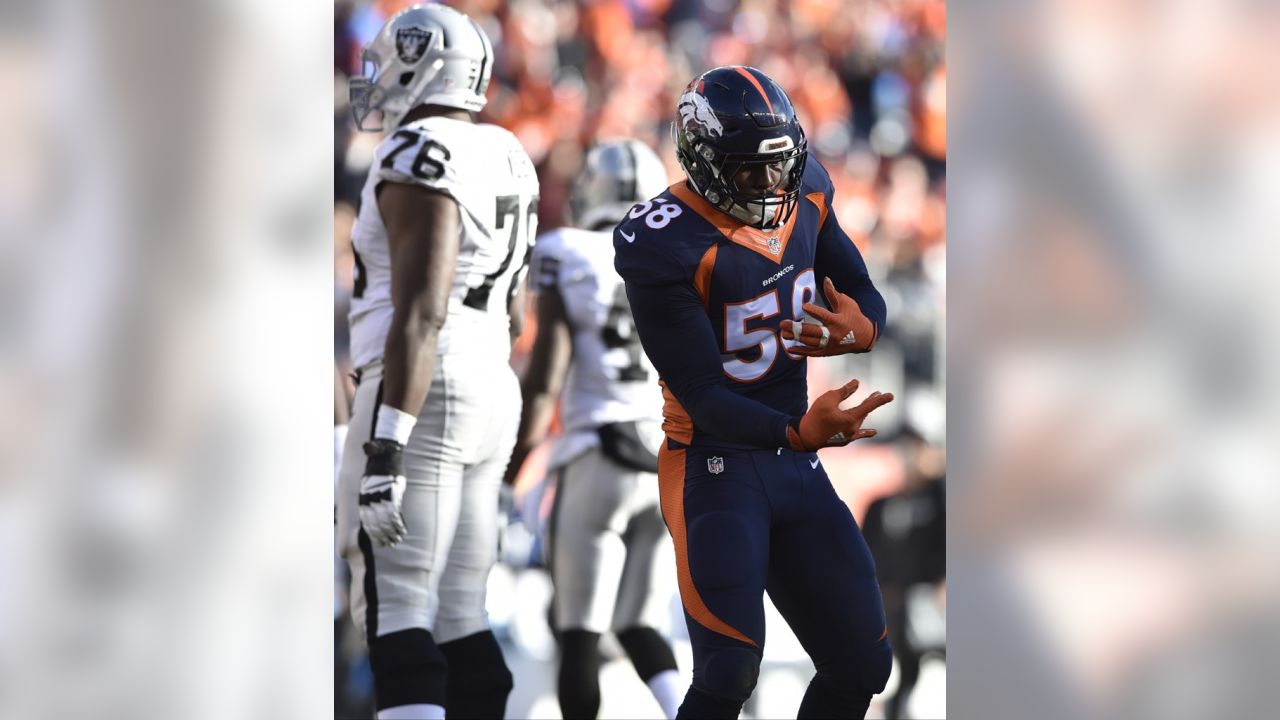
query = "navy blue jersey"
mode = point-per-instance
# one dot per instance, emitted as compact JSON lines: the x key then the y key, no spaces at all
{"x":708,"y":294}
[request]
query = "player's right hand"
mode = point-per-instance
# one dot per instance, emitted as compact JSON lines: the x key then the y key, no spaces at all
{"x":843,"y":329}
{"x":826,"y":425}
{"x":382,"y":491}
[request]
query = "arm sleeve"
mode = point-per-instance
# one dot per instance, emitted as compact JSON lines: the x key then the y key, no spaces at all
{"x":678,"y":339}
{"x":838,"y":258}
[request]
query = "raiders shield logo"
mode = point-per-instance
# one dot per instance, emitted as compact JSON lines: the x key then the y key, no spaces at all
{"x":715,"y":465}
{"x":411,"y":43}
{"x":775,"y":245}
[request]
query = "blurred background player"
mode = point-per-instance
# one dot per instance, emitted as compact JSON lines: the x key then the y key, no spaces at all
{"x":606,"y":532}
{"x":441,"y":244}
{"x":907,"y":534}
{"x":718,"y":269}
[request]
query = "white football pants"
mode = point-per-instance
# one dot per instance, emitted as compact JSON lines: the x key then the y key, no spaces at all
{"x":435,"y":578}
{"x":606,"y":535}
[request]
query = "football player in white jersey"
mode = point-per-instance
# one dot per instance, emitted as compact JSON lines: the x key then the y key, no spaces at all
{"x":606,"y":530}
{"x":442,"y":242}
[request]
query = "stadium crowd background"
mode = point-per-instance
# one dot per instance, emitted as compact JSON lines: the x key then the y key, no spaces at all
{"x":868,"y":80}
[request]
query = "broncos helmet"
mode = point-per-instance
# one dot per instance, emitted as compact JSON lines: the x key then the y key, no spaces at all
{"x":615,"y":175}
{"x":735,"y":119}
{"x":424,"y":55}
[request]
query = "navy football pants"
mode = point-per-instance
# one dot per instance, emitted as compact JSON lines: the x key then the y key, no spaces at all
{"x":746,"y":522}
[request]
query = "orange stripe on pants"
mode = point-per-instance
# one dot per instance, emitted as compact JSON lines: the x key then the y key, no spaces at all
{"x":671,"y":491}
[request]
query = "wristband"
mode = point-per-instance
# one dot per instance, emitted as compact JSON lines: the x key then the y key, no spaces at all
{"x":393,"y":424}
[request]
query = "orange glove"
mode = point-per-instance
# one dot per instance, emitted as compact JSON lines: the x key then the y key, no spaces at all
{"x":844,"y":329}
{"x":826,"y":425}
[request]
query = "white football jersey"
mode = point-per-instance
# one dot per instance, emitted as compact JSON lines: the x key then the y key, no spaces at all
{"x":483,"y":168}
{"x":610,"y":379}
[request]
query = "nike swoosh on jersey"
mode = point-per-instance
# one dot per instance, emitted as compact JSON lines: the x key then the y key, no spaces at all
{"x":813,"y":463}
{"x":629,"y":237}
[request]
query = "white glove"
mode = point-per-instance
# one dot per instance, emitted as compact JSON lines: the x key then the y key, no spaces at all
{"x":382,"y":491}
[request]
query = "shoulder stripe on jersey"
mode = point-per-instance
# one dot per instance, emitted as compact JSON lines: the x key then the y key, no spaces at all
{"x":747,"y":74}
{"x":735,"y":231}
{"x":817,"y":198}
{"x":702,"y":276}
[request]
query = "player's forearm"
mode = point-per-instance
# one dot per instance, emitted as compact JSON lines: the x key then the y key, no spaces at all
{"x":535,"y":420}
{"x":409,"y":363}
{"x":515,"y":311}
{"x":737,"y":419}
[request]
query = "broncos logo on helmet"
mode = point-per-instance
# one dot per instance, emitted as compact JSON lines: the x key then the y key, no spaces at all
{"x":694,"y":108}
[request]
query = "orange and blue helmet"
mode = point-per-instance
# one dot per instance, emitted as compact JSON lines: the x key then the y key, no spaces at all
{"x":733,"y":124}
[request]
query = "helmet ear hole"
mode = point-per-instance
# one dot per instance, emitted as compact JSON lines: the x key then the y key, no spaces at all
{"x":406,"y":78}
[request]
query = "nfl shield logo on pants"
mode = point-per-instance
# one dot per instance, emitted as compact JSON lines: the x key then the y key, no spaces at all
{"x":715,"y":465}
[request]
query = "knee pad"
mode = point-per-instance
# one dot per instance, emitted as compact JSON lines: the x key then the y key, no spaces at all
{"x":479,"y":680}
{"x":649,"y":653}
{"x":879,"y":665}
{"x":731,"y":673}
{"x":830,"y":695}
{"x":476,"y":665}
{"x":578,"y":682}
{"x":705,"y":706}
{"x":858,"y":676}
{"x":408,"y":669}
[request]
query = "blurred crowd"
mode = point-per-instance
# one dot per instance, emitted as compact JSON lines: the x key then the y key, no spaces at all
{"x":868,"y":80}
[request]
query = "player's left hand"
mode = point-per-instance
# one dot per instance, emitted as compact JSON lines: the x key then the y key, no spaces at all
{"x":843,"y":329}
{"x":825,"y":424}
{"x":382,"y":492}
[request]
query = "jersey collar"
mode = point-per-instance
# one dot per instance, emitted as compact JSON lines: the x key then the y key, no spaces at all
{"x":771,"y":245}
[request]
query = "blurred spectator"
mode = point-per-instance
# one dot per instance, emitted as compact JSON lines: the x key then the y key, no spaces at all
{"x":907,"y":534}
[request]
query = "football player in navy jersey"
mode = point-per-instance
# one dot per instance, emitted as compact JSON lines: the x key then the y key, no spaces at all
{"x":736,"y":277}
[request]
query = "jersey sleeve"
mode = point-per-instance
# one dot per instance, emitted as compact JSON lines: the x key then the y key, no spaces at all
{"x":417,"y":156}
{"x":839,"y":259}
{"x":680,"y":342}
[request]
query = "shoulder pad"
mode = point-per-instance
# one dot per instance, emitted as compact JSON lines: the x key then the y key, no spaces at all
{"x":661,"y":241}
{"x":644,"y":255}
{"x":816,"y":179}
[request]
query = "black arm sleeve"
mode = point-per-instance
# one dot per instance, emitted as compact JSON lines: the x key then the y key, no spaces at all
{"x":838,"y":258}
{"x":680,"y":342}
